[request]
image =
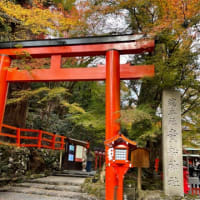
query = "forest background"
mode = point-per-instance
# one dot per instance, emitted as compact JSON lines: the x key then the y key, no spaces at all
{"x":77,"y":109}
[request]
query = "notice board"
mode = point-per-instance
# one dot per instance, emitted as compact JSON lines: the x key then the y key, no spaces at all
{"x":140,"y":158}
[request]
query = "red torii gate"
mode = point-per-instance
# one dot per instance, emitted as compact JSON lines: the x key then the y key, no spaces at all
{"x":110,"y":46}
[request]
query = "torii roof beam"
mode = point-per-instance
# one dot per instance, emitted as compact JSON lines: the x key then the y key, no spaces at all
{"x":91,"y":46}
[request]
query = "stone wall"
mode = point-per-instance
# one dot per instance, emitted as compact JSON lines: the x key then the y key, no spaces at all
{"x":16,"y":162}
{"x":159,"y":195}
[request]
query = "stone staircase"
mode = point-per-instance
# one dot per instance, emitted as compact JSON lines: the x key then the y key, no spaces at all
{"x":75,"y":173}
{"x":47,"y":188}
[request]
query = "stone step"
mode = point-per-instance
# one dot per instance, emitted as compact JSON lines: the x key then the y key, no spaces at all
{"x":58,"y":180}
{"x":72,"y":175}
{"x":23,"y":196}
{"x":47,"y":188}
{"x":51,"y":193}
{"x":73,"y":188}
{"x":77,"y":172}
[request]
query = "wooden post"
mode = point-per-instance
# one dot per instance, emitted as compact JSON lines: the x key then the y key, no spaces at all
{"x":60,"y":164}
{"x":120,"y":171}
{"x":96,"y":160}
{"x":18,"y":137}
{"x":63,"y":142}
{"x":100,"y":158}
{"x":53,"y":141}
{"x":40,"y":139}
{"x":139,"y":178}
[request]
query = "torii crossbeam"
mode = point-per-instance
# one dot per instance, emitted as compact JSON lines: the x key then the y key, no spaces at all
{"x":110,"y":46}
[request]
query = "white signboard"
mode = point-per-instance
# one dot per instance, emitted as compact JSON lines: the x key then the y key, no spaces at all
{"x":79,"y":153}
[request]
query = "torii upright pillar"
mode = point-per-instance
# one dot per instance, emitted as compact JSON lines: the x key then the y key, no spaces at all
{"x":111,"y":46}
{"x":112,"y":112}
{"x":4,"y":64}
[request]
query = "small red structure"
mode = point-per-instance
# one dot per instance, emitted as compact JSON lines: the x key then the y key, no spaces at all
{"x":156,"y":166}
{"x":185,"y":179}
{"x":99,"y":159}
{"x":118,"y":156}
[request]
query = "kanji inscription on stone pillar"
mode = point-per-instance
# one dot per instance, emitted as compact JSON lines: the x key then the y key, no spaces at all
{"x":172,"y":143}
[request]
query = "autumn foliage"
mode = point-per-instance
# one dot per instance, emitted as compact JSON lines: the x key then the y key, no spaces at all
{"x":35,"y":19}
{"x":150,"y":16}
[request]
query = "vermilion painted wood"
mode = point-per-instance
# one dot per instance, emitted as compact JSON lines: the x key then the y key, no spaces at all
{"x":28,"y":145}
{"x":59,"y":136}
{"x":82,"y":50}
{"x":47,"y":140}
{"x":47,"y":133}
{"x":96,"y":161}
{"x":8,"y":135}
{"x":28,"y":130}
{"x":18,"y":140}
{"x":78,"y":74}
{"x":8,"y":126}
{"x":4,"y":64}
{"x":63,"y":142}
{"x":112,"y":93}
{"x":46,"y":147}
{"x":53,"y":142}
{"x":39,"y":138}
{"x":56,"y":62}
{"x":112,"y":113}
{"x":29,"y":137}
{"x":57,"y":142}
{"x":120,"y":171}
{"x":100,"y":157}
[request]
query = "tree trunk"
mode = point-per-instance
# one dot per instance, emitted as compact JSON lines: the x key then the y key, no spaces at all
{"x":150,"y":94}
{"x":15,"y":114}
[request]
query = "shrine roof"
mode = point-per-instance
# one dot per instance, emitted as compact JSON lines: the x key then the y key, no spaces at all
{"x":118,"y":139}
{"x":71,"y":41}
{"x":78,"y":142}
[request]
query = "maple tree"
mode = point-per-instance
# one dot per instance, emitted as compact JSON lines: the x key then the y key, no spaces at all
{"x":34,"y":19}
{"x":148,"y":16}
{"x":174,"y":24}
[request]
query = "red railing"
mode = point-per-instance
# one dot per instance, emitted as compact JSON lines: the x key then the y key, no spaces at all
{"x":99,"y":159}
{"x":32,"y":138}
{"x":195,"y":190}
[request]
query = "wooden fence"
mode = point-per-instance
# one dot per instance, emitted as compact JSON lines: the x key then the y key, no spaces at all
{"x":31,"y":138}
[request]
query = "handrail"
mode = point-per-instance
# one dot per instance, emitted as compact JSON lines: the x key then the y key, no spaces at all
{"x":39,"y":139}
{"x":47,"y":133}
{"x":8,"y":126}
{"x":28,"y":130}
{"x":8,"y":135}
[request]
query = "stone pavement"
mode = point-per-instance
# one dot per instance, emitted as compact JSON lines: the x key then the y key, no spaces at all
{"x":47,"y":188}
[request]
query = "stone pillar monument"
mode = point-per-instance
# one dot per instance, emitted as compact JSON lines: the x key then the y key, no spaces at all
{"x":172,"y":143}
